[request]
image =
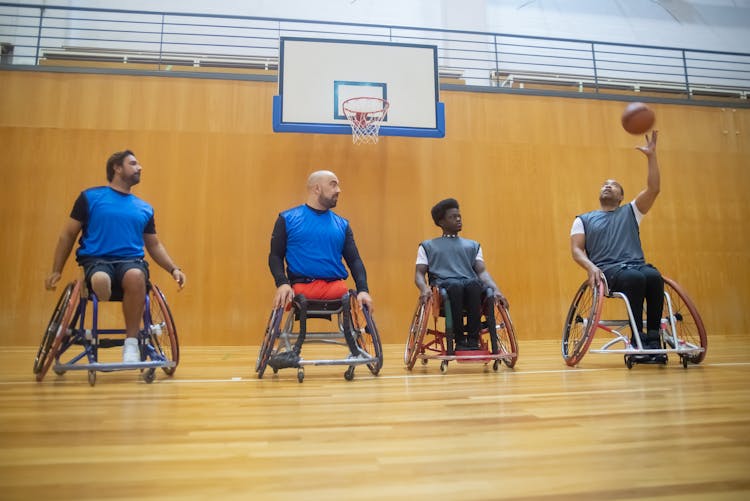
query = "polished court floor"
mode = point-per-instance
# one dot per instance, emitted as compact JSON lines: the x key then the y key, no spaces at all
{"x":539,"y":431}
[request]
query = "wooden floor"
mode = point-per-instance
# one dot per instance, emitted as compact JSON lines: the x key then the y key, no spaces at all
{"x":540,"y":431}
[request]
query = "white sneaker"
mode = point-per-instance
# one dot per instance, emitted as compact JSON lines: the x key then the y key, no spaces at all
{"x":130,"y":352}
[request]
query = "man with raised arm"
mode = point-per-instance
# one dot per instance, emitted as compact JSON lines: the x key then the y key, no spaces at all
{"x":607,"y":243}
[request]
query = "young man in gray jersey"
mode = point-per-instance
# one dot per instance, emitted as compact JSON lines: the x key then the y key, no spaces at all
{"x":606,"y":243}
{"x":456,"y":265}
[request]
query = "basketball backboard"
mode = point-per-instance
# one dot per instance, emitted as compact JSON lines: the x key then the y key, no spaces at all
{"x":317,"y":75}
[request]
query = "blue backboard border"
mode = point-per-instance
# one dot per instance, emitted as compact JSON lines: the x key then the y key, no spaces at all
{"x":307,"y":128}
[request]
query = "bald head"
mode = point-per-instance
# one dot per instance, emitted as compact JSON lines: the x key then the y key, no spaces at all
{"x":318,"y":177}
{"x":322,"y":190}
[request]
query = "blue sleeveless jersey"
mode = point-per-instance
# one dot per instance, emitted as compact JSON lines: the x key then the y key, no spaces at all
{"x":315,"y":243}
{"x":113,"y":224}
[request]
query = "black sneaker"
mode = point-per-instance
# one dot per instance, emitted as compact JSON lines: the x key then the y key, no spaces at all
{"x":652,"y":340}
{"x":472,"y":343}
{"x":284,"y":360}
{"x":461,"y":343}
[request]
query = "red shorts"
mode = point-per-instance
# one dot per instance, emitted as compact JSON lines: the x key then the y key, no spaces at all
{"x":320,"y":289}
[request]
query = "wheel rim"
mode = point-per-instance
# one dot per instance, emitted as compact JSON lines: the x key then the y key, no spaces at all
{"x":687,"y":320}
{"x":52,"y":327}
{"x":506,"y":335}
{"x":162,"y":330}
{"x":580,"y":324}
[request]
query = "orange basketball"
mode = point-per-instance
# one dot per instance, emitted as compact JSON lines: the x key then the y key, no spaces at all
{"x":638,"y":118}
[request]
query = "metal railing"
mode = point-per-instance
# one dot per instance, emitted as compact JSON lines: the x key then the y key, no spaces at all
{"x":127,"y":40}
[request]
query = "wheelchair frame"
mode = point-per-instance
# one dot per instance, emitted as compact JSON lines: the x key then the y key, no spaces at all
{"x":681,"y":332}
{"x":157,"y":339}
{"x":435,"y":348}
{"x":277,"y":340}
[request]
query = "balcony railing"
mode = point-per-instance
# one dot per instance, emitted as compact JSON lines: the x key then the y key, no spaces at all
{"x":248,"y":47}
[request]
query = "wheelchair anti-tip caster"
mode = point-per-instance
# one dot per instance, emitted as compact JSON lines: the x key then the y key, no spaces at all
{"x":628,"y":362}
{"x":349,"y":374}
{"x":444,"y":366}
{"x":92,"y":378}
{"x":300,"y":374}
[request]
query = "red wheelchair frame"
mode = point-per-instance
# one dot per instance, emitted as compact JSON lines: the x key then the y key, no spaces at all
{"x":425,"y":343}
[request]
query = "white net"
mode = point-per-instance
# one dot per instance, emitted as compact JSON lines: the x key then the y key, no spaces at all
{"x":365,"y":114}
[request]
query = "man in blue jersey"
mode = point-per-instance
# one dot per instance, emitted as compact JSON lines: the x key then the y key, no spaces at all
{"x":457,"y":265}
{"x":607,"y":243}
{"x":115,"y":225}
{"x":312,"y":239}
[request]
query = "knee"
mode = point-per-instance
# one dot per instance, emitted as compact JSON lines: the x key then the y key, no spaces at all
{"x":134,"y":281}
{"x":101,"y":284}
{"x":653,"y":277}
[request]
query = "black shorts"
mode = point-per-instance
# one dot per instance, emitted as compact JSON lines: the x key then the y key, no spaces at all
{"x":115,"y":268}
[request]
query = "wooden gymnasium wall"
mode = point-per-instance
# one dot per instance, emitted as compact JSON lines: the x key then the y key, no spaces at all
{"x":521,"y":166}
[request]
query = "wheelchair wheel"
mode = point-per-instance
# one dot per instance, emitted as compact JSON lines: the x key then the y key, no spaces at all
{"x":368,"y":338}
{"x":506,"y":335}
{"x":687,"y":320}
{"x":162,"y":331}
{"x":58,"y":328}
{"x":416,"y":332}
{"x":581,"y":322}
{"x":269,"y":340}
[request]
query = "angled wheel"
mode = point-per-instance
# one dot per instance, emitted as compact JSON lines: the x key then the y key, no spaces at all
{"x":506,"y":334}
{"x":58,"y":328}
{"x":580,"y":324}
{"x":687,"y":320}
{"x":52,"y":327}
{"x":161,"y":330}
{"x":269,"y":340}
{"x":416,"y":332}
{"x":368,"y":338}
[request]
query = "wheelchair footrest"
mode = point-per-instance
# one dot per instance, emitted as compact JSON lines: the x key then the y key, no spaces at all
{"x":658,"y":359}
{"x":471,"y":356}
{"x":340,"y":361}
{"x":111,"y":367}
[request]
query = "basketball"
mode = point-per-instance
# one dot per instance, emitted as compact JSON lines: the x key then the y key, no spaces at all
{"x":638,"y":118}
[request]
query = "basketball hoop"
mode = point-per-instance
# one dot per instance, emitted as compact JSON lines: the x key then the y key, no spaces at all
{"x":365,"y":115}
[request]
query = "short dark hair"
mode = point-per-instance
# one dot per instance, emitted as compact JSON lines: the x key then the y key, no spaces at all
{"x":116,"y":159}
{"x":440,"y":208}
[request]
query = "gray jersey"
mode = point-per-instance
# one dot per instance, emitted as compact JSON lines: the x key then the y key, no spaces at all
{"x":613,"y":238}
{"x":450,"y":258}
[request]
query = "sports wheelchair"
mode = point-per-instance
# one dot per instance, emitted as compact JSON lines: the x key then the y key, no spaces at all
{"x":681,"y":332}
{"x":68,"y":328}
{"x":497,"y":338}
{"x":281,"y":347}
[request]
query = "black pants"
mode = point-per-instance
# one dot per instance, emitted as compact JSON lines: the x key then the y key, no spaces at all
{"x":639,"y":283}
{"x":465,"y":295}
